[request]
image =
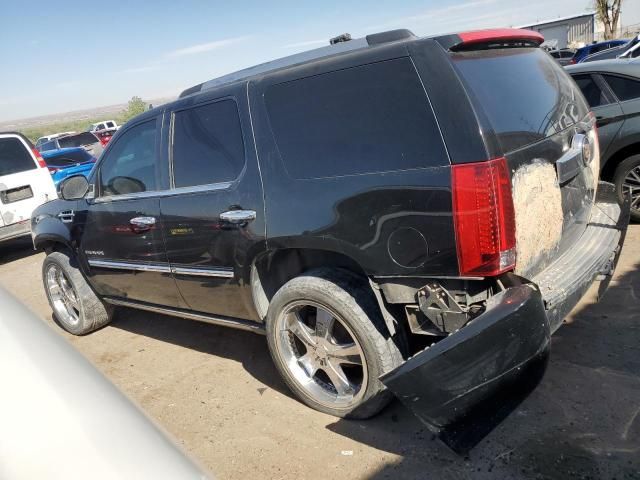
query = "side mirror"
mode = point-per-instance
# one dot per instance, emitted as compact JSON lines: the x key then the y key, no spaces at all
{"x":74,"y":187}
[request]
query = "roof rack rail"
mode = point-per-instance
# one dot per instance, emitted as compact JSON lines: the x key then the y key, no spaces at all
{"x":341,"y":43}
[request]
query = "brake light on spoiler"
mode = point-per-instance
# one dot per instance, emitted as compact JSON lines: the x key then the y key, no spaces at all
{"x":494,"y":38}
{"x":484,"y":218}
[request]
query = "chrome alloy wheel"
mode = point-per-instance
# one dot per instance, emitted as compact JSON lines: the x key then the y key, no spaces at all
{"x":322,"y":354}
{"x":631,"y":184}
{"x":64,"y":299}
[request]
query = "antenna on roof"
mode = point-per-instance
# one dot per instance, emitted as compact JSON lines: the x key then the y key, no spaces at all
{"x":345,"y":37}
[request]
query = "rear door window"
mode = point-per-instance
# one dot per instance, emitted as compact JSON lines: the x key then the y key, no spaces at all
{"x":14,"y":157}
{"x":624,"y":88}
{"x":365,"y":119}
{"x":207,"y":144}
{"x":524,"y":93}
{"x":591,"y":91}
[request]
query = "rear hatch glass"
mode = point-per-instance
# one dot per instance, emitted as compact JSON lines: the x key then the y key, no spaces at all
{"x":79,"y":140}
{"x":524,"y":93}
{"x":14,"y":157}
{"x":535,"y":111}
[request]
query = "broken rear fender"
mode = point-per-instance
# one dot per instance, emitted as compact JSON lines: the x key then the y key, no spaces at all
{"x":467,"y":383}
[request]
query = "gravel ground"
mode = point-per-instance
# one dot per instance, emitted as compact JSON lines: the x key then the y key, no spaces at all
{"x":217,"y":393}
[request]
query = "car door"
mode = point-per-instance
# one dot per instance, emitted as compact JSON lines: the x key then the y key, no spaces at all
{"x":122,"y":239}
{"x":214,"y":222}
{"x":607,"y":110}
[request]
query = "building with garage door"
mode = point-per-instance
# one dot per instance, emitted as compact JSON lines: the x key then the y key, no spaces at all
{"x":567,"y":32}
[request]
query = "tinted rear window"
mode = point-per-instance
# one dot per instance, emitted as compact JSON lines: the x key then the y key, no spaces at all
{"x":624,"y":88}
{"x":524,"y":93}
{"x":366,"y":119}
{"x":14,"y":157}
{"x":69,"y":159}
{"x":594,"y":95}
{"x":207,"y":144}
{"x":77,"y":140}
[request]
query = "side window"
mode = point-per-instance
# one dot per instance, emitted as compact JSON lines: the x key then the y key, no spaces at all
{"x":624,"y":88}
{"x":207,"y":144}
{"x":595,"y":97}
{"x":365,"y":119}
{"x":131,"y":164}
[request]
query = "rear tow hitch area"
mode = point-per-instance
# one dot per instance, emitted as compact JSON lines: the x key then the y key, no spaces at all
{"x":463,"y":386}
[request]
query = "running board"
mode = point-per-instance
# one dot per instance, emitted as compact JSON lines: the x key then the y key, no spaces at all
{"x":239,"y":324}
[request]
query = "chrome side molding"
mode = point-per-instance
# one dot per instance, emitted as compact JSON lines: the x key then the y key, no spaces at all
{"x":222,"y":272}
{"x":219,"y":272}
{"x":140,"y":267}
{"x":201,"y":317}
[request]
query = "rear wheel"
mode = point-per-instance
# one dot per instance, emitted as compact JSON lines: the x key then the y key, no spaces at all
{"x":330,"y":344}
{"x":627,"y":181}
{"x":75,"y":305}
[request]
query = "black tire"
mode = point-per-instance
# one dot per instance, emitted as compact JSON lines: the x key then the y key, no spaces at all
{"x":351,"y":298}
{"x":92,"y":313}
{"x":631,"y":164}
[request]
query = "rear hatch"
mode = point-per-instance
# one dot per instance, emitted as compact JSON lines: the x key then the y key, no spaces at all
{"x":534,"y":115}
{"x":24,"y":184}
{"x":86,"y":140}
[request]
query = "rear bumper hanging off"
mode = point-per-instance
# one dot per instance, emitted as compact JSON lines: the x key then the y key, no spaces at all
{"x":466,"y":384}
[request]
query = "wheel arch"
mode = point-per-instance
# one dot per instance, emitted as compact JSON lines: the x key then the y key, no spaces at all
{"x":274,"y":268}
{"x":618,"y":157}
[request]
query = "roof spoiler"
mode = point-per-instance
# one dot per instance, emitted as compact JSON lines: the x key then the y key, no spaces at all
{"x":493,"y":38}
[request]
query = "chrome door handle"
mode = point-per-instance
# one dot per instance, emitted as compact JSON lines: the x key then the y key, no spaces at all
{"x":238,"y":216}
{"x":142,"y":224}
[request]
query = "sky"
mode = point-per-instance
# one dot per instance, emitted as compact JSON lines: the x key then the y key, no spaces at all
{"x":70,"y":55}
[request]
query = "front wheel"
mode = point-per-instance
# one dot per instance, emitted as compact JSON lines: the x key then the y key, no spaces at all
{"x":627,"y":181}
{"x":329,"y":342}
{"x":75,"y":305}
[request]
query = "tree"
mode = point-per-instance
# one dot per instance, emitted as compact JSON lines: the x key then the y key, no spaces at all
{"x":608,"y":12}
{"x":135,"y":107}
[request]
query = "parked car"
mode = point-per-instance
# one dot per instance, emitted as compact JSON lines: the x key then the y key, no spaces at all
{"x":25,"y":183}
{"x":47,"y":138}
{"x":53,"y":398}
{"x":106,"y":125}
{"x":564,"y":56}
{"x":86,"y":140}
{"x":66,"y":162}
{"x":614,"y":52}
{"x":396,"y":214}
{"x":104,"y":136}
{"x":594,"y":48}
{"x":612,"y":89}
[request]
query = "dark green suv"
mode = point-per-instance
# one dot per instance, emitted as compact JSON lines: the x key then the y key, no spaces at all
{"x":612,"y":89}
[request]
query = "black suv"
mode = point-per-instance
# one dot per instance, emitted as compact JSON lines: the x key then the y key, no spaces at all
{"x":396,"y":214}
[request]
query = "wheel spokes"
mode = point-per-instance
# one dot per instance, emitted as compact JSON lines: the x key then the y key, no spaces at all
{"x":338,"y":379}
{"x":309,"y":363}
{"x":345,"y":353}
{"x":324,"y":323}
{"x":297,"y":327}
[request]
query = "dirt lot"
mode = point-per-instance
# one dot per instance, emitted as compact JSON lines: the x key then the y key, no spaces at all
{"x":216,"y":391}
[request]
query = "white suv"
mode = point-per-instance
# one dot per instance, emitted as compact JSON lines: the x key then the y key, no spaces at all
{"x":25,"y":183}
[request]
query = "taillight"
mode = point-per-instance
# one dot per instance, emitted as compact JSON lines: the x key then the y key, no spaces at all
{"x":39,"y":159}
{"x":484,"y":218}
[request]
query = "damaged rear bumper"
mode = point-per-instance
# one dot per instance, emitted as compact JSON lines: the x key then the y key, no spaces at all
{"x":467,"y":383}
